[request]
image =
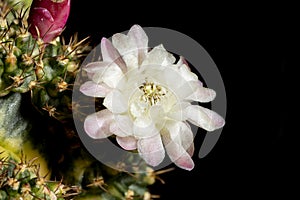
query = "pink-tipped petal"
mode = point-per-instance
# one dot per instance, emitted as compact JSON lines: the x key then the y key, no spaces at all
{"x":111,"y":54}
{"x":177,"y":153}
{"x":177,"y":111}
{"x":137,"y":33}
{"x":187,"y":139}
{"x":204,"y":118}
{"x":127,"y":143}
{"x":123,"y":125}
{"x":151,"y":150}
{"x":92,"y":89}
{"x":95,"y":67}
{"x":202,"y":94}
{"x":123,"y":44}
{"x":216,"y":119}
{"x":112,"y":75}
{"x":182,"y":61}
{"x":97,"y":124}
{"x":126,"y":46}
{"x":181,"y":133}
{"x":115,"y":129}
{"x":186,"y":73}
{"x":184,"y":161}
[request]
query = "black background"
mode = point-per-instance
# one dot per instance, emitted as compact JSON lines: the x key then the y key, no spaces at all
{"x":250,"y":44}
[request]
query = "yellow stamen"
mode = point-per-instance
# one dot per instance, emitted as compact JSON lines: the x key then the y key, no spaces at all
{"x":152,"y":92}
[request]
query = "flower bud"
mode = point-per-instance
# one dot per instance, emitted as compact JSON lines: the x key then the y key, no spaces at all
{"x":47,"y":18}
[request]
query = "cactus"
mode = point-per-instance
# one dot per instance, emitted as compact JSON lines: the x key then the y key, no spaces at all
{"x":79,"y":174}
{"x":22,"y":180}
{"x":20,"y":176}
{"x":36,"y":77}
{"x":14,"y":132}
{"x":27,"y":64}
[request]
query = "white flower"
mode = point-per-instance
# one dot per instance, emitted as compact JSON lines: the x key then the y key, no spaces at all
{"x":148,"y":98}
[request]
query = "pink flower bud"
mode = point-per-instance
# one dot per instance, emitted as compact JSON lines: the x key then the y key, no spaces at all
{"x":47,"y":18}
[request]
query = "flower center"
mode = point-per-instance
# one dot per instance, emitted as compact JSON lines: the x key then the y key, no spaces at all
{"x":152,"y":92}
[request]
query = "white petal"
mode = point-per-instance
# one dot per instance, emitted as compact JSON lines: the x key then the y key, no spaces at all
{"x":127,"y":143}
{"x":202,"y":94}
{"x":194,"y":91}
{"x":176,"y":152}
{"x":181,"y":134}
{"x":92,"y":89}
{"x":143,"y":121}
{"x":177,"y":111}
{"x":110,"y":54}
{"x":159,"y":56}
{"x":124,"y":44}
{"x":204,"y":118}
{"x":137,"y":33}
{"x":157,"y":113}
{"x":216,"y":120}
{"x":184,"y":161}
{"x":97,"y":77}
{"x":97,"y":124}
{"x":144,"y":127}
{"x":94,"y":67}
{"x":115,"y":102}
{"x":122,"y":126}
{"x":138,"y":108}
{"x":95,"y":70}
{"x":187,"y":89}
{"x":186,"y":73}
{"x":131,"y":61}
{"x":127,"y":48}
{"x":112,"y":75}
{"x":151,"y":150}
{"x":158,"y":116}
{"x":115,"y":129}
{"x":133,"y":46}
{"x":167,"y":77}
{"x":187,"y":139}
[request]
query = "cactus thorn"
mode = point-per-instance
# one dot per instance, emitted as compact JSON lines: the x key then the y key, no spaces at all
{"x":98,"y":182}
{"x":18,"y":80}
{"x":50,"y":109}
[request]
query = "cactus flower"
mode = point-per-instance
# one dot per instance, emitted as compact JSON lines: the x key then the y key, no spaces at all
{"x":47,"y":18}
{"x":148,"y":98}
